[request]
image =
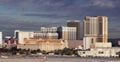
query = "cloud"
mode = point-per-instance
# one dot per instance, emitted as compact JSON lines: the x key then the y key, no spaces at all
{"x":68,"y":9}
{"x":47,"y":15}
{"x":57,"y":11}
{"x":103,"y":3}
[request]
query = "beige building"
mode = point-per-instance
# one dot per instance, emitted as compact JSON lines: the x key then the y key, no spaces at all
{"x":95,"y":29}
{"x":75,"y":43}
{"x":75,"y":23}
{"x":67,"y":33}
{"x":43,"y":44}
{"x":20,"y":35}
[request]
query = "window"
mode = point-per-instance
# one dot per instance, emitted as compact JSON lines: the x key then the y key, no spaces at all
{"x":87,"y":28}
{"x":83,"y":52}
{"x":100,"y":28}
{"x":100,"y":52}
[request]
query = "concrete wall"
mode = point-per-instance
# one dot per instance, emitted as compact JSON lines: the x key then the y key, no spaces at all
{"x":99,"y":44}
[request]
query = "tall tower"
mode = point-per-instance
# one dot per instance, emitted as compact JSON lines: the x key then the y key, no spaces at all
{"x":75,"y":23}
{"x":1,"y":38}
{"x":95,"y":29}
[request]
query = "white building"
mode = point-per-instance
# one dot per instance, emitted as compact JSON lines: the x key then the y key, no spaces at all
{"x":103,"y":45}
{"x":100,"y":52}
{"x":67,"y":33}
{"x":48,"y":29}
{"x":21,"y":35}
{"x":1,"y":40}
{"x":46,"y":35}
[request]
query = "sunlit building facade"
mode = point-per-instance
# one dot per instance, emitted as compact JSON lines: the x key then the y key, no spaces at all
{"x":47,"y":45}
{"x":45,"y":41}
{"x":45,"y":35}
{"x":1,"y":40}
{"x":75,"y":23}
{"x":20,"y":35}
{"x":48,"y":29}
{"x":95,"y":29}
{"x":67,"y":33}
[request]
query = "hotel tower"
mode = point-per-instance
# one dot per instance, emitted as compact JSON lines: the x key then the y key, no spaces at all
{"x":95,"y":29}
{"x":75,"y":23}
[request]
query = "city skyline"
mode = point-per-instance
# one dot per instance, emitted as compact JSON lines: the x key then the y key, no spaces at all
{"x":25,"y":14}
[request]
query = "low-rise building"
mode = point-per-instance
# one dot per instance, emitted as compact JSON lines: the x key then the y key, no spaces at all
{"x":9,"y":42}
{"x":75,"y":43}
{"x":50,"y":34}
{"x":103,"y":45}
{"x":99,"y":52}
{"x":20,"y":35}
{"x":43,"y":44}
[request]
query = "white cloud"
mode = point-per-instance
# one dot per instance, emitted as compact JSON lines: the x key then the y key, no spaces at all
{"x":103,"y":3}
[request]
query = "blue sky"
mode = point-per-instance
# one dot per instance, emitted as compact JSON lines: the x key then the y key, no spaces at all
{"x":31,"y":14}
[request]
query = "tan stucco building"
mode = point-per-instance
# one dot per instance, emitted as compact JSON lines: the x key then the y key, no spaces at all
{"x":43,"y":44}
{"x":95,"y":29}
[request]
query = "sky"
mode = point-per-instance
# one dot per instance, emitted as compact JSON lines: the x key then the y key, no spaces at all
{"x":32,"y":14}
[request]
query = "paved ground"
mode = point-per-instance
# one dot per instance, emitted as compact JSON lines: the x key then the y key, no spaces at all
{"x":60,"y":59}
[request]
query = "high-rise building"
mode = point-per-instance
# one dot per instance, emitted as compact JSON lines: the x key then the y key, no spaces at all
{"x":75,"y":23}
{"x":0,"y":37}
{"x":38,"y":35}
{"x":48,"y":32}
{"x":45,"y":33}
{"x":21,"y":35}
{"x":95,"y":29}
{"x":67,"y":33}
{"x":48,"y":29}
